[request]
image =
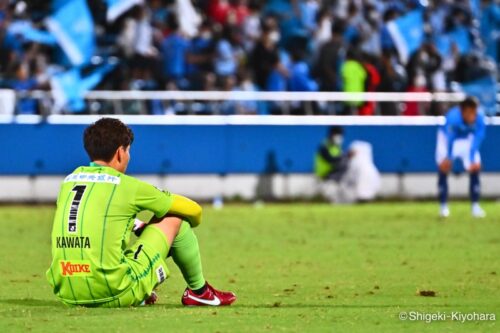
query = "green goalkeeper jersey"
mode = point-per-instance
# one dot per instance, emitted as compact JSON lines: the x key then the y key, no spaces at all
{"x":96,"y":208}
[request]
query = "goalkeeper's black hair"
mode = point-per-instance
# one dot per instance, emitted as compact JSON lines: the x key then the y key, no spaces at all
{"x":102,"y":138}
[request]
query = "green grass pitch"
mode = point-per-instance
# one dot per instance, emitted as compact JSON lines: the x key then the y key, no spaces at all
{"x":295,"y":268}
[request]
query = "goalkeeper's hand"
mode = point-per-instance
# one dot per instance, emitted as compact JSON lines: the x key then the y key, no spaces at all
{"x":139,"y":227}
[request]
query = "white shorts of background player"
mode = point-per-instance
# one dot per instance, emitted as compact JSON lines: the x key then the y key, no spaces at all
{"x":460,"y":150}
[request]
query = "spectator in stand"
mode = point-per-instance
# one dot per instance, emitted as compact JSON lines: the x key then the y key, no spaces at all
{"x":386,"y":41}
{"x":459,"y":15}
{"x":371,"y":84}
{"x":370,"y":37}
{"x":355,"y":24}
{"x":228,"y":52}
{"x":209,"y":84}
{"x":159,"y":14}
{"x":392,"y":79}
{"x":136,"y":37}
{"x":174,"y":48}
{"x":354,"y":77}
{"x":417,"y":84}
{"x":437,"y":13}
{"x":308,"y":13}
{"x":300,"y":80}
{"x":277,"y":81}
{"x":245,"y":84}
{"x":422,"y":69}
{"x":217,"y":10}
{"x":228,"y":84}
{"x":23,"y":82}
{"x":330,"y":56}
{"x":141,"y":78}
{"x":231,"y":12}
{"x":473,"y":66}
{"x":238,"y":11}
{"x":450,"y":62}
{"x":323,"y":33}
{"x":200,"y":55}
{"x":251,"y":25}
{"x":340,"y":8}
{"x":5,"y":52}
{"x":263,"y":57}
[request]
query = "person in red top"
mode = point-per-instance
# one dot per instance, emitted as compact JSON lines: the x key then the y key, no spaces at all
{"x":372,"y":82}
{"x":231,"y":12}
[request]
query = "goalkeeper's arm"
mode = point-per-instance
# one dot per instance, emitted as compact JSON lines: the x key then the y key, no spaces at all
{"x":182,"y":207}
{"x":187,"y":209}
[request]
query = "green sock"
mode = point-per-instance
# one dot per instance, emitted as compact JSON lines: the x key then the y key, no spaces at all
{"x":186,"y":255}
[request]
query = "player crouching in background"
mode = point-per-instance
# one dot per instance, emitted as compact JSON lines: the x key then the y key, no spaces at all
{"x":460,"y":138}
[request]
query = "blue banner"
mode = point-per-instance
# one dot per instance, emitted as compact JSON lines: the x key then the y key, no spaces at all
{"x":73,"y":27}
{"x":459,"y":36}
{"x":226,"y":149}
{"x":407,"y":32}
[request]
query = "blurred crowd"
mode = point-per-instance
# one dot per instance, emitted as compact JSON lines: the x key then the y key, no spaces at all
{"x":277,"y":45}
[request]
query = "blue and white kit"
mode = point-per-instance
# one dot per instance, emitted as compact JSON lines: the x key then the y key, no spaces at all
{"x":458,"y":140}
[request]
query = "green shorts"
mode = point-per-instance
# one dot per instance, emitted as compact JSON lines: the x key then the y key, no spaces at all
{"x":146,"y":258}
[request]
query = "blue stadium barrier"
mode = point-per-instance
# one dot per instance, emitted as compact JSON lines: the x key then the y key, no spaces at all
{"x":45,"y":149}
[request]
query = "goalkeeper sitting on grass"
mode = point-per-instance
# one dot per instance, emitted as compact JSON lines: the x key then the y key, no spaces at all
{"x":93,"y":264}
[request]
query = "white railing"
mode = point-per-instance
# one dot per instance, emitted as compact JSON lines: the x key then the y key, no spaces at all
{"x":117,"y":99}
{"x":7,"y":101}
{"x":284,"y":120}
{"x":274,"y":96}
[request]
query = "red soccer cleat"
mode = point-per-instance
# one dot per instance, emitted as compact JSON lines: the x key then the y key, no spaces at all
{"x":152,"y":299}
{"x":210,"y":296}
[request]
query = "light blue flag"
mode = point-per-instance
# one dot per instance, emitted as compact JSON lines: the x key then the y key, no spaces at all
{"x":28,"y":33}
{"x":118,"y":7}
{"x":443,"y":44}
{"x":66,"y":89}
{"x":69,"y":88}
{"x":485,"y":90}
{"x":407,"y":32}
{"x":39,"y":36}
{"x":73,"y":27}
{"x":458,"y":36}
{"x":56,"y":4}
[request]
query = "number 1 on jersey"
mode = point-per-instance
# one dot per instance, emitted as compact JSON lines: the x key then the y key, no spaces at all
{"x":75,"y":204}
